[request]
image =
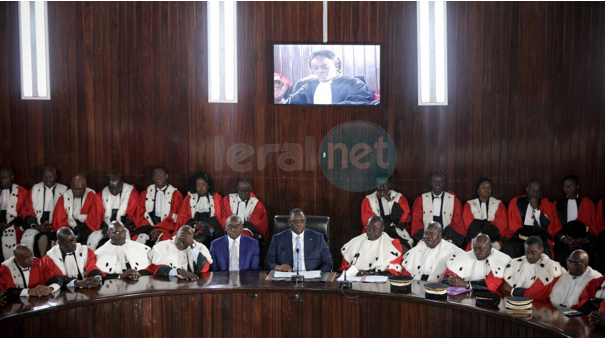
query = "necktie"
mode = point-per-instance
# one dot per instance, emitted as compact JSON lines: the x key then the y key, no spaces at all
{"x":242,"y":206}
{"x":234,"y":262}
{"x":298,"y":253}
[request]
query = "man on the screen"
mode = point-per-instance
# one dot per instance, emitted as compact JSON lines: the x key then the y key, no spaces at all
{"x":325,"y":86}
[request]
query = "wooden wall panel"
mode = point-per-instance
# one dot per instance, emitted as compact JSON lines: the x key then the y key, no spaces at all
{"x":526,"y":99}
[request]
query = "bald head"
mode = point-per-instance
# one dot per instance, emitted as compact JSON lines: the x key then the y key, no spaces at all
{"x":115,"y":185}
{"x":577,"y":263}
{"x":79,"y":186}
{"x":66,"y":239}
{"x":23,"y":256}
{"x":375,"y":228}
{"x":433,"y":233}
{"x":482,"y":246}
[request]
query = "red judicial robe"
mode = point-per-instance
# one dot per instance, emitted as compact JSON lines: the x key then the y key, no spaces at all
{"x":355,"y":251}
{"x":515,"y":221}
{"x":13,"y":284}
{"x":590,"y":291}
{"x":586,"y":213}
{"x":546,"y":273}
{"x":367,"y":210}
{"x":128,"y":207}
{"x":186,"y":214}
{"x":258,"y":217}
{"x":452,"y":218}
{"x":17,"y":210}
{"x":54,"y":261}
{"x":92,"y":208}
{"x":168,"y":224}
{"x":497,"y":216}
{"x":462,"y":265}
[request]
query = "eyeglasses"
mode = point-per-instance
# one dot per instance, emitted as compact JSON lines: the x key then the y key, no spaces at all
{"x":233,"y":226}
{"x":575,"y":263}
{"x":303,"y":220}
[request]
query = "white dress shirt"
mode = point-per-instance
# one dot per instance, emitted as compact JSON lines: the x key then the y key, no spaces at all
{"x":49,"y":198}
{"x":483,"y":211}
{"x":436,"y":202}
{"x":159,"y":201}
{"x":529,"y":213}
{"x":4,"y":199}
{"x":77,"y":206}
{"x":301,"y":250}
{"x":115,"y":200}
{"x":571,"y":210}
{"x":230,"y":242}
{"x":323,"y":94}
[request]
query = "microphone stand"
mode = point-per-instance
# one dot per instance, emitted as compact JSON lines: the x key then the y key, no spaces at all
{"x":345,"y":284}
{"x":297,"y":278}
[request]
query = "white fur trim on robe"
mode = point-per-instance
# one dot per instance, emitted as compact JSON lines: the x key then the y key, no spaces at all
{"x":545,"y":269}
{"x":374,"y":255}
{"x":234,"y":200}
{"x":566,"y":291}
{"x":68,"y":205}
{"x":150,"y":203}
{"x":15,"y":273}
{"x":194,"y":203}
{"x":135,"y":253}
{"x":600,"y":293}
{"x":95,"y":237}
{"x":412,"y":261}
{"x":38,"y":199}
{"x":428,"y":205}
{"x":9,"y":235}
{"x":462,"y":264}
{"x":395,"y":196}
{"x":82,"y":255}
{"x":475,"y":208}
{"x":106,"y":195}
{"x":166,"y":253}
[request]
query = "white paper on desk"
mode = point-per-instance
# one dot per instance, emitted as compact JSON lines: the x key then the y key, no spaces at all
{"x":312,"y":274}
{"x":350,"y":274}
{"x":375,"y":279}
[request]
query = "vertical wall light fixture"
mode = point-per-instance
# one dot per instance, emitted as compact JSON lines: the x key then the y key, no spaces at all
{"x":33,"y":41}
{"x":432,"y":52}
{"x":222,"y":51}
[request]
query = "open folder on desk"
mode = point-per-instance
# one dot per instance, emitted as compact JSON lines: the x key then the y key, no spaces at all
{"x":350,"y":275}
{"x":312,"y":274}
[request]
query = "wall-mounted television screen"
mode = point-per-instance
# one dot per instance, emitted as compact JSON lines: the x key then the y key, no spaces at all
{"x":324,"y":74}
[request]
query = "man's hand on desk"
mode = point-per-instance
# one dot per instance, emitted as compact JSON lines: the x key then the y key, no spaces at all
{"x":283,"y":268}
{"x":187,"y":275}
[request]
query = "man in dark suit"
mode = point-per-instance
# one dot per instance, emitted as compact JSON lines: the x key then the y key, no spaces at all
{"x":234,"y":251}
{"x":298,"y":248}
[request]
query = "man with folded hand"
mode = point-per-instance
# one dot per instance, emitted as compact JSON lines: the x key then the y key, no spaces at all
{"x":75,"y":262}
{"x":481,"y":268}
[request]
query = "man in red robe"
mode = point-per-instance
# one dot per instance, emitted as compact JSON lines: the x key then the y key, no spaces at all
{"x":13,"y":211}
{"x":80,"y":209}
{"x":531,"y":275}
{"x":392,"y":207}
{"x":373,"y":252}
{"x":22,"y":276}
{"x":120,"y":202}
{"x":42,"y":198}
{"x":251,"y":210}
{"x":75,"y":262}
{"x":572,"y":207}
{"x":480,"y":269}
{"x":442,"y":207}
{"x":530,"y":215}
{"x":158,"y":208}
{"x":593,"y":296}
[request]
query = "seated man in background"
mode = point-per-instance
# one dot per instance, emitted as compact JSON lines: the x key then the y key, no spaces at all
{"x":442,"y":207}
{"x":531,"y":275}
{"x":568,"y":288}
{"x":427,"y":261}
{"x":251,"y":210}
{"x":234,"y":252}
{"x":182,"y":256}
{"x":392,"y":207}
{"x":480,"y":269}
{"x":120,"y":203}
{"x":80,"y":209}
{"x":75,"y":262}
{"x":530,"y":215}
{"x":24,"y":276}
{"x":42,"y":199}
{"x":373,"y":251}
{"x":121,"y":257}
{"x":298,"y":248}
{"x":573,"y":237}
{"x":13,"y":211}
{"x":572,"y":207}
{"x":158,"y":208}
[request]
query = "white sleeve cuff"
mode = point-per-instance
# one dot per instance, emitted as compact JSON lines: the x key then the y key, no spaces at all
{"x":24,"y":293}
{"x":173,"y":272}
{"x":55,"y":287}
{"x":72,"y":284}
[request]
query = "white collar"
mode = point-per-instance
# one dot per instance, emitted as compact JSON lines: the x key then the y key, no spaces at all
{"x":437,"y":196}
{"x":295,"y":235}
{"x":162,"y":189}
{"x":232,"y":241}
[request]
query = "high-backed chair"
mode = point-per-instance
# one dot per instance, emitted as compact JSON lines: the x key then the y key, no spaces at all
{"x":316,"y":223}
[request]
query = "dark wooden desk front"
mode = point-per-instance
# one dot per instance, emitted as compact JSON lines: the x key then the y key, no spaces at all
{"x":246,"y":304}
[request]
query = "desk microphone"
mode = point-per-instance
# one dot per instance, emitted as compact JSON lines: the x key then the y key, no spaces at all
{"x":296,"y":93}
{"x":297,"y":278}
{"x":345,"y":284}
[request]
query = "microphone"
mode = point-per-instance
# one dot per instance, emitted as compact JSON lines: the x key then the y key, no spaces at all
{"x":297,"y":278}
{"x":299,"y":90}
{"x":345,"y":284}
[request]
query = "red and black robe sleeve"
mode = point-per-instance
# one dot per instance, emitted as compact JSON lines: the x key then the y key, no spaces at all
{"x":167,"y":226}
{"x":538,"y":291}
{"x":417,"y":219}
{"x":587,"y":302}
{"x":399,"y":214}
{"x":490,"y":282}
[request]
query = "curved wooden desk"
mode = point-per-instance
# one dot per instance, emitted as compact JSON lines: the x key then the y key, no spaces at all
{"x":246,"y":304}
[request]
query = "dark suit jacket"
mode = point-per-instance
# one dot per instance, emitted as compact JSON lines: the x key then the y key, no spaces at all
{"x":316,"y":252}
{"x":249,"y":254}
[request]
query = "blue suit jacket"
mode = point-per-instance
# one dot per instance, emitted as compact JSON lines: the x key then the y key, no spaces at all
{"x":316,"y":252}
{"x":249,"y":254}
